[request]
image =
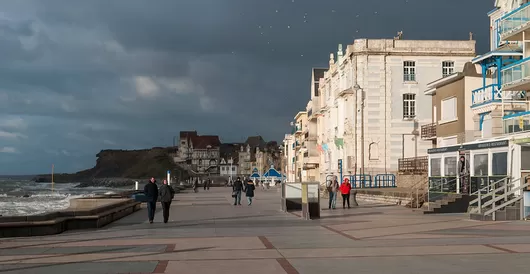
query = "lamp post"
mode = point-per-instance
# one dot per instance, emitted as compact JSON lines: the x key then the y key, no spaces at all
{"x":230,"y":161}
{"x":357,"y":89}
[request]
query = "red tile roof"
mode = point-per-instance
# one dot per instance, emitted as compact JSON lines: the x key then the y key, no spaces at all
{"x":202,"y":142}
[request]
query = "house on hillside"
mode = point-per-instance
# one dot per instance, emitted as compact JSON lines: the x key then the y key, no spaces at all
{"x":201,"y":152}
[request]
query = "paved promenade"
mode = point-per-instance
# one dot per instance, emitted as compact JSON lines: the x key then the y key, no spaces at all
{"x":207,"y":234}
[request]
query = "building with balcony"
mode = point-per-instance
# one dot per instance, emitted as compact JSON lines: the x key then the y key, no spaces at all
{"x":290,"y":157}
{"x":255,"y":152}
{"x":497,"y":162}
{"x":372,"y":102}
{"x":199,"y":152}
{"x":452,"y":118}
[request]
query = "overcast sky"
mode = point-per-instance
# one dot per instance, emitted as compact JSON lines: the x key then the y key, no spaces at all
{"x":80,"y":76}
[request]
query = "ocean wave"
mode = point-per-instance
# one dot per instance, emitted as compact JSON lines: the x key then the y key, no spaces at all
{"x":36,"y":204}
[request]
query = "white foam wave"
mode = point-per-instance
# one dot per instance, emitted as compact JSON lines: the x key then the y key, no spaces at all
{"x":37,"y":204}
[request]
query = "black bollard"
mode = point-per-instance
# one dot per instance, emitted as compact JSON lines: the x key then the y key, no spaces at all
{"x":354,"y":198}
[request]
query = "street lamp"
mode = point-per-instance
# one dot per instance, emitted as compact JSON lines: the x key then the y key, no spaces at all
{"x":230,"y":161}
{"x":357,"y":89}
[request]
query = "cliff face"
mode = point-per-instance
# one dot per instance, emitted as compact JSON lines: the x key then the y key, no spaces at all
{"x":131,"y":164}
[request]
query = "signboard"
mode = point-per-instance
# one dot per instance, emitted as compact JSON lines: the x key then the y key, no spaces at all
{"x":503,"y":143}
{"x":522,"y":140}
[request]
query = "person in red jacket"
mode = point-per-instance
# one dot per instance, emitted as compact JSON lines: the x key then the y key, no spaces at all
{"x":345,"y":189}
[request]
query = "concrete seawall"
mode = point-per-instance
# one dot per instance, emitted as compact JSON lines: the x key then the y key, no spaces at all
{"x":83,"y":213}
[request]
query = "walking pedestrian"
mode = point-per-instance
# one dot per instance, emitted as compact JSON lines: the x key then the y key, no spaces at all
{"x":249,"y":191}
{"x":332,"y":187}
{"x":151,"y":194}
{"x":237,"y":188}
{"x":196,"y":186}
{"x":345,"y":189}
{"x":165,"y":196}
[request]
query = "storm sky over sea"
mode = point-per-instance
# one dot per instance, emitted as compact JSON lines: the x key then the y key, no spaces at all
{"x":78,"y":76}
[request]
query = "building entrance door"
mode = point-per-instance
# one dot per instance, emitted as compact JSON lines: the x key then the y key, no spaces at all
{"x":463,"y":173}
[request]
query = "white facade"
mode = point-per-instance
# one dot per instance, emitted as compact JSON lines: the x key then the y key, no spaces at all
{"x":228,"y":167}
{"x":289,"y":154}
{"x":393,"y":75}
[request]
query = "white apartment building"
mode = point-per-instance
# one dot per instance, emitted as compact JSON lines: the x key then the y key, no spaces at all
{"x":290,"y":158}
{"x":393,"y":73}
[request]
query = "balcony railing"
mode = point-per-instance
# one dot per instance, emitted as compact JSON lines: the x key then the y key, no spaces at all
{"x":413,"y":166}
{"x":514,"y":21}
{"x":518,"y":122}
{"x":516,"y":72}
{"x":428,"y":131}
{"x":489,"y":93}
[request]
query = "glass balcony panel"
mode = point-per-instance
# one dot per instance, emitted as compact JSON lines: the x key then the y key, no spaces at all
{"x":516,"y":73}
{"x":517,"y":123}
{"x":514,"y":21}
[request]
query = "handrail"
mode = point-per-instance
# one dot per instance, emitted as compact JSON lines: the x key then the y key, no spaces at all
{"x":488,"y":186}
{"x":495,"y":198}
{"x":493,"y":192}
{"x":513,"y":200}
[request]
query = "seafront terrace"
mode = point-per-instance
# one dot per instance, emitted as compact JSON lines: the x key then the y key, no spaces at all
{"x":207,"y":234}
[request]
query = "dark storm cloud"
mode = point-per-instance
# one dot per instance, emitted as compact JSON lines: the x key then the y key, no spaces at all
{"x":80,"y":76}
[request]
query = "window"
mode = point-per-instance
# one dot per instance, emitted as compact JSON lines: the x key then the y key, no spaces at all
{"x":373,"y":151}
{"x":435,"y":167}
{"x":449,"y":109}
{"x":450,"y":166}
{"x":233,"y":168}
{"x":481,"y":164}
{"x":409,"y":105}
{"x":448,"y":68}
{"x":409,"y":71}
{"x":499,"y":163}
{"x":317,"y":93}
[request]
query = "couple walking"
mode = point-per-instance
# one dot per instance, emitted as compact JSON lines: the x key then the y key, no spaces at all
{"x":239,"y":187}
{"x":164,"y":194}
{"x":345,"y":189}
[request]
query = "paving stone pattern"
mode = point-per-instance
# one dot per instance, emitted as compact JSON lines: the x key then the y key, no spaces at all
{"x":207,"y":234}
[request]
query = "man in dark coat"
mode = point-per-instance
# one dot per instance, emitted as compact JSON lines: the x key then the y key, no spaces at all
{"x":249,"y":191}
{"x":151,"y":195}
{"x":165,"y":195}
{"x":237,"y":188}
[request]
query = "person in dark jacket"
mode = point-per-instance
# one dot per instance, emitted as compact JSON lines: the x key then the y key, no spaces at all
{"x":165,"y":196}
{"x":237,"y":188}
{"x":249,"y":191}
{"x":151,"y":195}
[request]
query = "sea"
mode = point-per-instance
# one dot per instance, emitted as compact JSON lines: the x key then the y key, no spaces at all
{"x":19,"y":196}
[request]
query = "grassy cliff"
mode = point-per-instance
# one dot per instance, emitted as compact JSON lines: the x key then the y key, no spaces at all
{"x":124,"y":164}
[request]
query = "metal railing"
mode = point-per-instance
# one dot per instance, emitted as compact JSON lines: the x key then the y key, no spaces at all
{"x":499,"y":195}
{"x":414,"y":165}
{"x":428,"y":131}
{"x":485,"y":94}
{"x":419,"y":194}
{"x":514,"y":21}
{"x":518,"y":122}
{"x":516,"y":72}
{"x":441,"y":187}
